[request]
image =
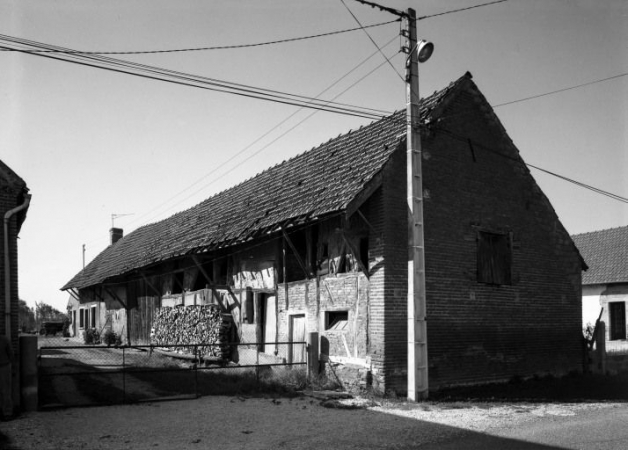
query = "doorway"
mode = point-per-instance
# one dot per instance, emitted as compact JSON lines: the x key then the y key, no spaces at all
{"x":297,"y":334}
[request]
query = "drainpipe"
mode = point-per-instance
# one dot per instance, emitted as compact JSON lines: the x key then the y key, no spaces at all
{"x":7,"y":263}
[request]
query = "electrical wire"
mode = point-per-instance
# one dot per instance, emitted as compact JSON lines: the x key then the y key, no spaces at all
{"x":258,"y":139}
{"x":461,"y":9}
{"x":560,"y":90}
{"x":170,"y":76}
{"x":220,"y":47}
{"x":372,"y":40}
{"x":520,"y":161}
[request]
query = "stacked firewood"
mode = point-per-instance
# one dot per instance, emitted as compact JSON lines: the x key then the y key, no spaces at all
{"x":204,"y":328}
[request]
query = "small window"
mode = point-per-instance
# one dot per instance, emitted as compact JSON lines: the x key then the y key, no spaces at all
{"x":364,"y":252}
{"x":494,"y":258}
{"x":336,"y":320}
{"x":92,"y":316}
{"x":617,"y":319}
{"x":82,"y":318}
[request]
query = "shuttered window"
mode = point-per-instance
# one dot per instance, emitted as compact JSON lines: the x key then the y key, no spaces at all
{"x":494,"y":258}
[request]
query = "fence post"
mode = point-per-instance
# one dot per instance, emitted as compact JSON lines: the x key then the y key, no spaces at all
{"x":600,"y":347}
{"x":28,"y":372}
{"x":257,"y":363}
{"x":197,"y":361}
{"x":123,"y":375}
{"x":312,"y":354}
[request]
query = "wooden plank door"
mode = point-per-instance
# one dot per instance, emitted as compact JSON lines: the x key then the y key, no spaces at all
{"x":297,"y":334}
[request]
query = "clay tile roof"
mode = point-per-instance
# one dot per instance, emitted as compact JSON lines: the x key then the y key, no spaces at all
{"x":606,"y":254}
{"x":320,"y":181}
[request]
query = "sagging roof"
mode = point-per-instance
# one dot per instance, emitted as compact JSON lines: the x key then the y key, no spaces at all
{"x":318,"y":182}
{"x":606,"y":254}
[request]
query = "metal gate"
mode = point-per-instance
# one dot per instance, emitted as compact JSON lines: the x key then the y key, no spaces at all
{"x":98,"y":375}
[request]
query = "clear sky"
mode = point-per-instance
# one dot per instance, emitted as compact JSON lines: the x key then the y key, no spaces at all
{"x":91,"y":143}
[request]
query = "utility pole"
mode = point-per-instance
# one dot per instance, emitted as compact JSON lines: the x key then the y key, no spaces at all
{"x":417,"y":327}
{"x":417,"y":51}
{"x":83,"y":256}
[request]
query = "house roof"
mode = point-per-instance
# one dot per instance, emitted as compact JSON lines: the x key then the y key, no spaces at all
{"x":321,"y":181}
{"x":606,"y":254}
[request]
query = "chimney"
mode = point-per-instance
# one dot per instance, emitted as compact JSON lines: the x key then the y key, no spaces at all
{"x":116,"y":234}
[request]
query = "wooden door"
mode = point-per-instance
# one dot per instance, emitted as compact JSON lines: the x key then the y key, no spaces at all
{"x":297,"y":334}
{"x":617,"y":311}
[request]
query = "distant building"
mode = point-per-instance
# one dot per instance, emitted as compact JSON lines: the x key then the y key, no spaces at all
{"x":320,"y":243}
{"x":605,"y":283}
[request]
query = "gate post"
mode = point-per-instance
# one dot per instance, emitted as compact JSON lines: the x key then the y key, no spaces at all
{"x":312,"y":354}
{"x":28,"y":372}
{"x":600,"y":347}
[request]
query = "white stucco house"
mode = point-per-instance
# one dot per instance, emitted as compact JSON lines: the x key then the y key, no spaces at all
{"x":605,"y":283}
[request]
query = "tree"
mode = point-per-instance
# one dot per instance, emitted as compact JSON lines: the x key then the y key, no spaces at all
{"x":26,"y":317}
{"x":44,"y":311}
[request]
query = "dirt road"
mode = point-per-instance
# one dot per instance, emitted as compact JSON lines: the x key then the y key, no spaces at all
{"x":229,"y":423}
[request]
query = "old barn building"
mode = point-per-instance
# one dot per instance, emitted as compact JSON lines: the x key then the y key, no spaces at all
{"x":320,"y":243}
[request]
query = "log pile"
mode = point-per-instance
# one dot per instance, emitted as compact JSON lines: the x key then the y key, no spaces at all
{"x":204,"y":326}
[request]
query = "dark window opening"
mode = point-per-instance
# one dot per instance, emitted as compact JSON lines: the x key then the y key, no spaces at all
{"x":617,"y":319}
{"x":494,"y":258}
{"x":294,"y":270}
{"x":220,"y":269}
{"x":177,"y":285}
{"x":336,"y":320}
{"x":82,"y":318}
{"x":364,"y":252}
{"x":92,"y":316}
{"x":201,"y":282}
{"x":323,"y":258}
{"x":249,"y":307}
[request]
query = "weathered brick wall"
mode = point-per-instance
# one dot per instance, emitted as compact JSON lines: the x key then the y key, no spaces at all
{"x":479,"y":332}
{"x":8,"y":201}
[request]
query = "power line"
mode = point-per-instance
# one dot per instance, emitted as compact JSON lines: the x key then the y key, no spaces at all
{"x":262,"y":136}
{"x":219,"y":47}
{"x":181,"y":78}
{"x":520,"y":161}
{"x":372,"y":40}
{"x":560,"y":90}
{"x":461,"y":9}
{"x":265,"y":134}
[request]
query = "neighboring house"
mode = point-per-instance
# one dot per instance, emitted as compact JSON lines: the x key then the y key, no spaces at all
{"x":320,"y":243}
{"x":14,"y":201}
{"x":605,"y":284}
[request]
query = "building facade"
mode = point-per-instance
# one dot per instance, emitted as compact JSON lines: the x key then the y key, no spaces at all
{"x":320,"y":243}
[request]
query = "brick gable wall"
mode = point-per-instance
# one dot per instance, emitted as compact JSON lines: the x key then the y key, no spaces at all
{"x":479,"y":332}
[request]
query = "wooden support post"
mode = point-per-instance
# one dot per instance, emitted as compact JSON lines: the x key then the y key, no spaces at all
{"x":312,"y":354}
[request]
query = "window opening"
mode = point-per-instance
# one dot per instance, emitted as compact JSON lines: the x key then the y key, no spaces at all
{"x":364,"y":252}
{"x":92,"y":316}
{"x":617,"y":319}
{"x":336,"y":320}
{"x":494,"y":258}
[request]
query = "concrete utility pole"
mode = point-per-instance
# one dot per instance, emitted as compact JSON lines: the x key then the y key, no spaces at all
{"x":417,"y":327}
{"x":418,"y":52}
